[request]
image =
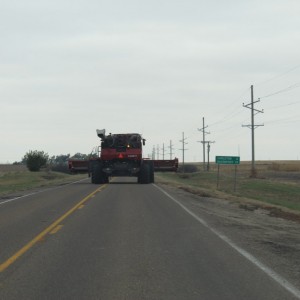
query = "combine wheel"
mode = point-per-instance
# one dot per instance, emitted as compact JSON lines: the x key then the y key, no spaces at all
{"x":97,"y":174}
{"x":151,"y":169}
{"x":144,"y":176}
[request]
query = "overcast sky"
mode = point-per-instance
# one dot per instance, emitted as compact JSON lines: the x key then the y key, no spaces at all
{"x":152,"y":67}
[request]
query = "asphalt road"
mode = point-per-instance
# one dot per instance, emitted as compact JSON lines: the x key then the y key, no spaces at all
{"x":120,"y":241}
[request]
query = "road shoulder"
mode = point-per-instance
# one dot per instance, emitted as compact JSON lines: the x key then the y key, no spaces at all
{"x":275,"y":241}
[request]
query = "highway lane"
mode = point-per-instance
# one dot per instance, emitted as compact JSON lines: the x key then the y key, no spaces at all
{"x":22,"y":218}
{"x":127,"y":241}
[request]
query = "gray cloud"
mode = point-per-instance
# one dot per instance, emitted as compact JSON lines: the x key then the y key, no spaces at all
{"x":68,"y":67}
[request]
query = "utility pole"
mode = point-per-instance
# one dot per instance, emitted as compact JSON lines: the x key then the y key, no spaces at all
{"x":153,"y":153}
{"x":206,"y":167}
{"x":171,"y":149}
{"x":163,"y":151}
{"x":208,"y":150}
{"x":253,"y":127}
{"x":183,"y":149}
{"x":157,"y":152}
{"x":203,"y":141}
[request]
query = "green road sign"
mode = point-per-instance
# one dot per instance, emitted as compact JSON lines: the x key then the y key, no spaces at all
{"x":228,"y":160}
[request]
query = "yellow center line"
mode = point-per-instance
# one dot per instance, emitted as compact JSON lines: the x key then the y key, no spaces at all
{"x":56,"y":229}
{"x":41,"y":235}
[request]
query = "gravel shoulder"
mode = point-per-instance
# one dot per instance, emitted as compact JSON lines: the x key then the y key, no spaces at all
{"x":272,"y":239}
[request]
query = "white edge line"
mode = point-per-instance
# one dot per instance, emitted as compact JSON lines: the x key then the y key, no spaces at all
{"x":40,"y":191}
{"x":279,"y":279}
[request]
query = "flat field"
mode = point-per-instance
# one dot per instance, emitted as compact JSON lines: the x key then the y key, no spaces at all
{"x":276,"y":185}
{"x":17,"y":179}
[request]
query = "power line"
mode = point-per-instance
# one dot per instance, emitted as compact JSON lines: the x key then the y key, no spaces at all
{"x":279,"y":75}
{"x":291,"y":87}
{"x":284,"y":105}
{"x":229,"y":116}
{"x":234,"y":112}
{"x":286,"y":120}
{"x":227,"y":128}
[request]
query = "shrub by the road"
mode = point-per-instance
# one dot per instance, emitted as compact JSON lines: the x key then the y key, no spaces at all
{"x":187,"y":168}
{"x":60,"y":167}
{"x":35,"y":160}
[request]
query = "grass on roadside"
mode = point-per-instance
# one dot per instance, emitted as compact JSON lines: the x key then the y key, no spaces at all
{"x":11,"y":182}
{"x":281,"y":194}
{"x":285,"y":195}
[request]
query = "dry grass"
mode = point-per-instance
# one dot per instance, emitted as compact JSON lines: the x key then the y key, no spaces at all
{"x":277,"y":165}
{"x":284,"y":171}
{"x":277,"y":182}
{"x":12,"y":168}
{"x":16,"y":178}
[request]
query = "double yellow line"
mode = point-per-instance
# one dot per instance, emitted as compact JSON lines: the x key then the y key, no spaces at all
{"x":54,"y":227}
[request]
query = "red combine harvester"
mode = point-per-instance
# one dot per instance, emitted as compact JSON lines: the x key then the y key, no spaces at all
{"x":121,"y":155}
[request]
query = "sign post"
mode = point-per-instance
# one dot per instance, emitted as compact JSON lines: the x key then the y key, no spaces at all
{"x":228,"y":160}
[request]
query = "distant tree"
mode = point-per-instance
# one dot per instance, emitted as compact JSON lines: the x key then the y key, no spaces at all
{"x":60,"y":159}
{"x":35,"y":160}
{"x":59,"y":163}
{"x":80,"y":156}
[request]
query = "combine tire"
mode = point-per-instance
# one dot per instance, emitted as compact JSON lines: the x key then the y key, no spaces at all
{"x":144,"y":176}
{"x":98,"y":176}
{"x":151,"y":169}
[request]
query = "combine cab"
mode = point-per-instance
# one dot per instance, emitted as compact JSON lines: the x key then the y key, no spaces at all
{"x":121,"y":155}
